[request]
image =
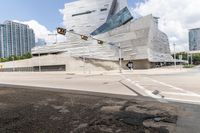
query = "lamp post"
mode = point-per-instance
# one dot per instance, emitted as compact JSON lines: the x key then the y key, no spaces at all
{"x":84,"y":59}
{"x":39,"y":66}
{"x":13,"y":60}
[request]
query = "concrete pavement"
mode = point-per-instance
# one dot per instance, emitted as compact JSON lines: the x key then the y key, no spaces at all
{"x":180,"y":85}
{"x":98,"y":83}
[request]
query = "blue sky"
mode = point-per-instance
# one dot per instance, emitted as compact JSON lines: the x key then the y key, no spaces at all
{"x":46,"y":12}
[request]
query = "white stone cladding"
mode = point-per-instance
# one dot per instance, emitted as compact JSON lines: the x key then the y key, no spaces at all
{"x":139,"y":39}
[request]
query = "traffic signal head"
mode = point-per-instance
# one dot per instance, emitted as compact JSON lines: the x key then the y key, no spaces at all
{"x":61,"y":31}
{"x":84,"y":37}
{"x":100,"y":42}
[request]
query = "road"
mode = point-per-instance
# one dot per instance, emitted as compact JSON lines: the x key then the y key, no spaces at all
{"x":180,"y":89}
{"x":33,"y":110}
{"x":181,"y":86}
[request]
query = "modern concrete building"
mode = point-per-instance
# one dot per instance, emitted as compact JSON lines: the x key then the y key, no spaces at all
{"x":194,"y":39}
{"x":140,"y":40}
{"x":15,"y":39}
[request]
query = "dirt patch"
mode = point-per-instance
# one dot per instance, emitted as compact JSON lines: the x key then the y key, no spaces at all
{"x":36,"y":111}
{"x":2,"y":92}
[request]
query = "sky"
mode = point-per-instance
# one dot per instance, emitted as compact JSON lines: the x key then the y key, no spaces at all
{"x":176,"y":16}
{"x":46,"y":12}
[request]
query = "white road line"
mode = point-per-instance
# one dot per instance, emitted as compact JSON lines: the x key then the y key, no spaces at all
{"x":173,"y":87}
{"x":183,"y":100}
{"x":149,"y":93}
{"x":180,"y":94}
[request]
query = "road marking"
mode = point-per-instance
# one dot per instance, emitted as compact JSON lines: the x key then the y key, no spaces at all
{"x":173,"y":87}
{"x":146,"y":91}
{"x":180,"y":94}
{"x":183,"y":100}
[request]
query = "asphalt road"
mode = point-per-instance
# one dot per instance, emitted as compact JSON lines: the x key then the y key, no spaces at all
{"x":181,"y":87}
{"x":33,"y":110}
{"x":177,"y":89}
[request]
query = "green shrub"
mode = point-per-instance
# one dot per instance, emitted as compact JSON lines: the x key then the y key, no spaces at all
{"x":188,"y":66}
{"x":25,"y":56}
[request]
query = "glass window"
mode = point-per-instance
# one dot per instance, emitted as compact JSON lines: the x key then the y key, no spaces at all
{"x":117,"y":20}
{"x":83,"y":13}
{"x":103,"y":9}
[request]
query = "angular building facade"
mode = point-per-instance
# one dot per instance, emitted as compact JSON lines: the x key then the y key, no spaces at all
{"x":15,"y":39}
{"x":194,"y":39}
{"x":140,"y":40}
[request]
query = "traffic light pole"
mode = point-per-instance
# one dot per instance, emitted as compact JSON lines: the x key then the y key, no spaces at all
{"x":13,"y":60}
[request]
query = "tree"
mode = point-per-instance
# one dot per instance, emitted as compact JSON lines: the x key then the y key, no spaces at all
{"x":14,"y":57}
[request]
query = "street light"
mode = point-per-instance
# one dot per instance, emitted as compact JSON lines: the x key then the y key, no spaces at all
{"x":13,"y":60}
{"x":39,"y":66}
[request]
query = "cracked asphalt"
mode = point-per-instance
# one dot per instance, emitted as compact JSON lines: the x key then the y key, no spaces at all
{"x":45,"y":111}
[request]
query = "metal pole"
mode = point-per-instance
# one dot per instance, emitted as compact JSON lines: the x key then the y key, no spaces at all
{"x":56,"y":38}
{"x":120,"y":58}
{"x":13,"y":59}
{"x":31,"y":59}
{"x":89,"y":59}
{"x":191,"y":59}
{"x":84,"y":58}
{"x":175,"y":55}
{"x":188,"y":58}
{"x":39,"y":63}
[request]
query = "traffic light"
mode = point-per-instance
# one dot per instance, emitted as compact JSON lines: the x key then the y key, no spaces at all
{"x":61,"y":31}
{"x":100,"y":42}
{"x":84,"y":37}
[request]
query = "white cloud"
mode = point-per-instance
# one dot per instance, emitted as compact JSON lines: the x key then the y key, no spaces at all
{"x":42,"y":32}
{"x":176,"y":17}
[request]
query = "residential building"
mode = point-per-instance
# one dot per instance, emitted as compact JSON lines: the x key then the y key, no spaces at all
{"x":15,"y":39}
{"x":194,"y":39}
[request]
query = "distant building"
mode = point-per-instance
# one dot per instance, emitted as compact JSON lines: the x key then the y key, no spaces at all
{"x":194,"y":39}
{"x":15,"y":39}
{"x":40,"y":42}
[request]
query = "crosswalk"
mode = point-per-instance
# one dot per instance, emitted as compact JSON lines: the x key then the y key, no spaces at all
{"x":146,"y":86}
